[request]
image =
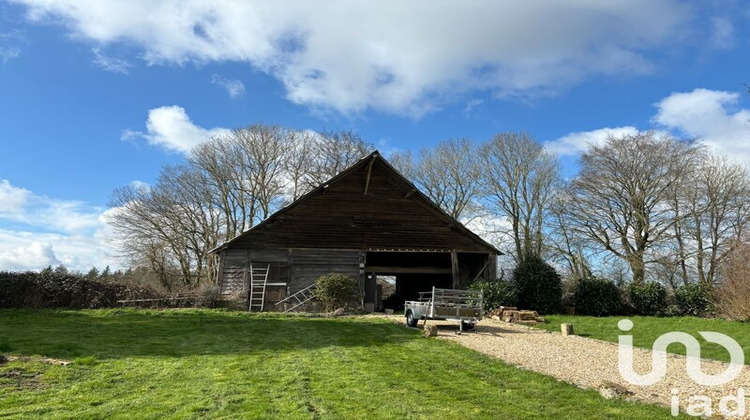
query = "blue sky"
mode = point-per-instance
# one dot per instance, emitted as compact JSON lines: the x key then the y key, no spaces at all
{"x":95,"y":94}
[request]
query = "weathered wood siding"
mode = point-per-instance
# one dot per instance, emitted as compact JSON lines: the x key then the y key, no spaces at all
{"x":309,"y":264}
{"x":390,"y":216}
{"x":234,"y":262}
{"x":298,"y":267}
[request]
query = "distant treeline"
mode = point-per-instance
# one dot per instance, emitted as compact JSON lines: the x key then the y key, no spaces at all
{"x":643,"y":207}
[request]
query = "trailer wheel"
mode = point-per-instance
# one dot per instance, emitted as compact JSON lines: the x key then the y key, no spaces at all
{"x":411,"y":320}
{"x":467,"y":325}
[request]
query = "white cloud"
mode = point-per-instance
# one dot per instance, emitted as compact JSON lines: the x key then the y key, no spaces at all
{"x":112,"y":64}
{"x":471,"y":105}
{"x":10,"y":44}
{"x":31,"y":257}
{"x":722,"y":34}
{"x":37,"y":231}
{"x":171,"y":128}
{"x":140,"y":185}
{"x":12,"y":199}
{"x":492,"y":229}
{"x":400,"y":57}
{"x":22,"y":206}
{"x":711,"y":117}
{"x":577,"y":143}
{"x":235,"y":88}
{"x":26,"y":250}
{"x":7,"y":53}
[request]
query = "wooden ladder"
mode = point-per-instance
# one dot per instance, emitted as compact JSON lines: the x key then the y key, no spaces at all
{"x":300,"y":298}
{"x":257,"y":295}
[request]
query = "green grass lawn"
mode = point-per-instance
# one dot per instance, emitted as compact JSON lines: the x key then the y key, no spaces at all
{"x":646,"y":329}
{"x":216,"y":364}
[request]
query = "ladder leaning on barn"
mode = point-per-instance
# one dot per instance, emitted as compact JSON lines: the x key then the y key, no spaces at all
{"x":258,"y":279}
{"x":300,"y":298}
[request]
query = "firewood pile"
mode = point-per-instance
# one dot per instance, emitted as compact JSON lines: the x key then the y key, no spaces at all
{"x":515,"y":316}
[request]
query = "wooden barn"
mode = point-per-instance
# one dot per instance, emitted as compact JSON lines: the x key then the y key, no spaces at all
{"x":367,"y":221}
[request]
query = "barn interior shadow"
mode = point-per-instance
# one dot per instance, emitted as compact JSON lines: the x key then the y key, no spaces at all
{"x":72,"y":334}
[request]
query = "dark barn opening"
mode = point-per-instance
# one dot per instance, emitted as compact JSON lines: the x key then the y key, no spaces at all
{"x":414,"y":271}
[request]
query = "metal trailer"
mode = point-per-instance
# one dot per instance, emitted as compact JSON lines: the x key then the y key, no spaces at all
{"x":464,"y":306}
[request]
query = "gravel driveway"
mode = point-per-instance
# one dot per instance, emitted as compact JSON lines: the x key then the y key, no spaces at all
{"x":586,"y":362}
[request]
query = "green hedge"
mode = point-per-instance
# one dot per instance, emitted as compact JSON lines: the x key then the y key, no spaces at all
{"x":497,"y":293}
{"x":648,"y":298}
{"x":62,"y":290}
{"x":694,"y":299}
{"x":538,"y":286}
{"x":597,"y":297}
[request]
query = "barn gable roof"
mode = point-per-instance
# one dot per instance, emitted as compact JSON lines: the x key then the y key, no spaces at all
{"x":367,"y":165}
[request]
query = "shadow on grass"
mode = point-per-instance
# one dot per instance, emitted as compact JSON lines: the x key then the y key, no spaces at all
{"x":112,"y":334}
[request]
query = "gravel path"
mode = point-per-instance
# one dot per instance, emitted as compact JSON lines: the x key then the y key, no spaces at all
{"x":586,"y":362}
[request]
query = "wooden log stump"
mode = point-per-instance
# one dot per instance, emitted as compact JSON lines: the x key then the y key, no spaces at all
{"x":566,"y":329}
{"x":430,"y":331}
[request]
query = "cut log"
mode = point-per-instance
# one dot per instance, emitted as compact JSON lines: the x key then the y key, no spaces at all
{"x":527,"y":315}
{"x":430,"y":331}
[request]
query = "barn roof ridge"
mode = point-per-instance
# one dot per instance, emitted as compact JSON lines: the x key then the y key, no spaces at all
{"x":369,"y":159}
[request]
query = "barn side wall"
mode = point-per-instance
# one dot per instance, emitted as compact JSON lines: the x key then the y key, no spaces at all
{"x":232,"y":276}
{"x":298,"y":268}
{"x":309,"y":264}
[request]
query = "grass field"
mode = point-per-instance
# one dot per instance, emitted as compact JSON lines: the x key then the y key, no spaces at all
{"x":214,"y":364}
{"x":647,"y":329}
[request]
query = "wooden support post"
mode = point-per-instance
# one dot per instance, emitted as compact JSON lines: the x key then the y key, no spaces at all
{"x":290,"y":279}
{"x":369,"y":172}
{"x":454,"y":268}
{"x":492,"y":267}
{"x":220,"y":270}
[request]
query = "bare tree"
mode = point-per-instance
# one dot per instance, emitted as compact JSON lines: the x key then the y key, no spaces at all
{"x":144,"y":234}
{"x":174,"y":223}
{"x":621,"y":198}
{"x":733,"y":292}
{"x":717,"y":202}
{"x":186,"y":199}
{"x":449,"y":174}
{"x":332,"y":152}
{"x":222,"y":163}
{"x":519,"y":180}
{"x":226,"y":186}
{"x":246,"y":170}
{"x":573,"y":250}
{"x":260,"y":154}
{"x":299,"y":162}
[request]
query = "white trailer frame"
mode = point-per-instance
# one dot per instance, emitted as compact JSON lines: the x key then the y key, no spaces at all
{"x":464,"y":306}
